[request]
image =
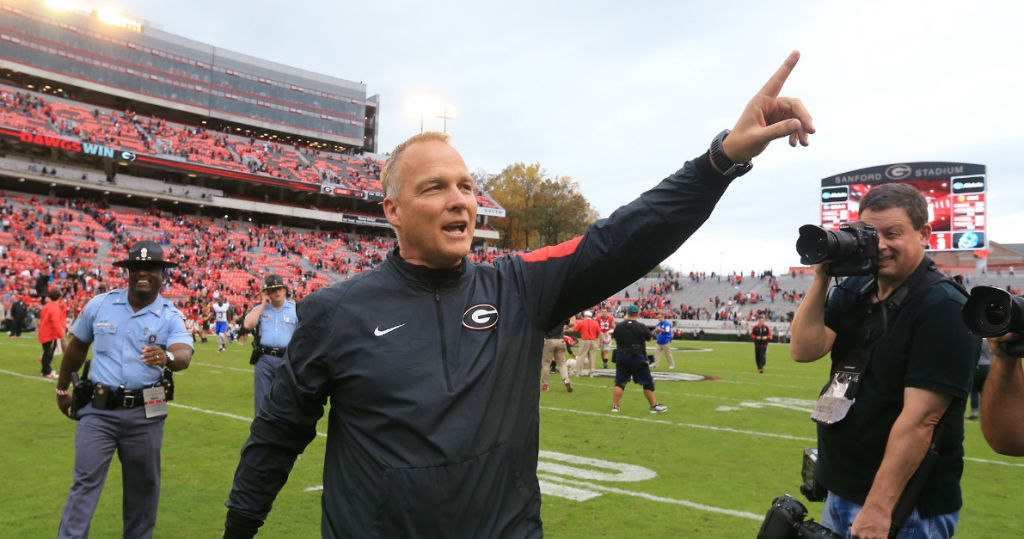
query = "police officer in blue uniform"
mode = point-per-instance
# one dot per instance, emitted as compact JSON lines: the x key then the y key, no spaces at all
{"x":137,"y":333}
{"x":276,"y":319}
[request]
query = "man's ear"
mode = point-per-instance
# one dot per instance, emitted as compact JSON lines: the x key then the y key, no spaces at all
{"x":391,"y":212}
{"x":926,"y":234}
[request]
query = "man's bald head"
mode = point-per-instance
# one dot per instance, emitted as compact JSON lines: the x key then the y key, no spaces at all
{"x":389,"y":177}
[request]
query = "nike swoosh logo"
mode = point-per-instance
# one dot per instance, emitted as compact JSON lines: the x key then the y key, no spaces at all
{"x":380,"y":333}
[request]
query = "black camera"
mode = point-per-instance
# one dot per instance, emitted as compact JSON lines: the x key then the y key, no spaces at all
{"x":994,"y":312}
{"x":851,"y":250}
{"x":785,"y":520}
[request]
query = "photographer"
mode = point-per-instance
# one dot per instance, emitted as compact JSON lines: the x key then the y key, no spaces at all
{"x":902,"y":360}
{"x":1002,"y":405}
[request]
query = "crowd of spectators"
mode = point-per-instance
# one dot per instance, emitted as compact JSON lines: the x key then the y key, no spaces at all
{"x":70,"y":244}
{"x":127,"y":130}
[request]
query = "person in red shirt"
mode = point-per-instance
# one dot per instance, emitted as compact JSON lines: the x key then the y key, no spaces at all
{"x":589,"y":331}
{"x":606,"y":322}
{"x":761,"y":334}
{"x":52,"y":320}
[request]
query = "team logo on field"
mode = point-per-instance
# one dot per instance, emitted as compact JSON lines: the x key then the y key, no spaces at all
{"x":665,"y":376}
{"x":482,"y":316}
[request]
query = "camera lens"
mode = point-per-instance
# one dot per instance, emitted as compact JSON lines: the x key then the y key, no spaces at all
{"x":815,"y":244}
{"x":992,"y":312}
{"x":995,"y":314}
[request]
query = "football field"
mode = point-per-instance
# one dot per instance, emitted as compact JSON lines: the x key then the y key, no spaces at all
{"x":710,"y":467}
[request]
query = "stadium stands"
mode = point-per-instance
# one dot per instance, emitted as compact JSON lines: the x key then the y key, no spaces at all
{"x":29,"y":112}
{"x":77,"y":241}
{"x":81,"y":241}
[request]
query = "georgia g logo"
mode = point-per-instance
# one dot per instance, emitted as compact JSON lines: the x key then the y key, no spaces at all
{"x":898,"y":172}
{"x":479,"y":317}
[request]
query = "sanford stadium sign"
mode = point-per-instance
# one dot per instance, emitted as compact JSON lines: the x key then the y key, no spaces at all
{"x":931,"y":170}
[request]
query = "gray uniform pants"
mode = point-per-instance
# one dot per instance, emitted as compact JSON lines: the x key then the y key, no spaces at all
{"x":137,"y":441}
{"x":263,"y":376}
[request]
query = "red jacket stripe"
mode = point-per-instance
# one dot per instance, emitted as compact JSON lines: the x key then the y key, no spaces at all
{"x":565,"y":248}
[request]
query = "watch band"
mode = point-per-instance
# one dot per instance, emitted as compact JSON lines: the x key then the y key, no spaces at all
{"x":721,"y":162}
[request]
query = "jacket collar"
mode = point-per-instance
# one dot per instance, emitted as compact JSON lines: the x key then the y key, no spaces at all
{"x":431,"y":279}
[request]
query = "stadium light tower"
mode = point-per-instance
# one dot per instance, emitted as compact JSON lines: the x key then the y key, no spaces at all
{"x":422,"y":105}
{"x":426,"y":106}
{"x":444,"y":116}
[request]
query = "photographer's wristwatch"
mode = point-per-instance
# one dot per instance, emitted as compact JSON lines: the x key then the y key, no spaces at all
{"x":170,"y":358}
{"x":721,"y":162}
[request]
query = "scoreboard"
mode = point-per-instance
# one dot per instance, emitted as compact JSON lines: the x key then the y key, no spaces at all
{"x":955,"y":193}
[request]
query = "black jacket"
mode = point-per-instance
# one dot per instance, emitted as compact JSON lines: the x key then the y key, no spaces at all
{"x":432,"y":378}
{"x":18,"y":309}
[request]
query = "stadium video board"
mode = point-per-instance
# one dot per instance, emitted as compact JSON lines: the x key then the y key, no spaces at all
{"x":955,"y":193}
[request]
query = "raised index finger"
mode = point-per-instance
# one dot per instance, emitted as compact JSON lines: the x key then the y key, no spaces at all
{"x":774,"y":84}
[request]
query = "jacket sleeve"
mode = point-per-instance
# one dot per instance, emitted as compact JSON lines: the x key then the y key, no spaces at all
{"x":287,"y":421}
{"x":614,"y":252}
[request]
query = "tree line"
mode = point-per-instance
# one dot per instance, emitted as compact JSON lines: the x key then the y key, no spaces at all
{"x":540,"y":209}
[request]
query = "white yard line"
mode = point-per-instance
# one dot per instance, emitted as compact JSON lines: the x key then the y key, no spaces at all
{"x":599,"y":414}
{"x":688,"y":425}
{"x":653,"y":498}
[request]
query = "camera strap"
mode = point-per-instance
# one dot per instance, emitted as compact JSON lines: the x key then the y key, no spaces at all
{"x":868,"y":321}
{"x":912,"y":491}
{"x":865,"y":322}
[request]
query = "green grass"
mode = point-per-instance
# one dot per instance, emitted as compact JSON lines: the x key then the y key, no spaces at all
{"x":724,"y":450}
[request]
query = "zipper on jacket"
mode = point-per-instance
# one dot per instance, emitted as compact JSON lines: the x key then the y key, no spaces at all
{"x":444,"y":349}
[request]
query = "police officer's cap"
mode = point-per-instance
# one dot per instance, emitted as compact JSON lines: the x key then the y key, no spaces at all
{"x":145,"y":252}
{"x":273,"y":281}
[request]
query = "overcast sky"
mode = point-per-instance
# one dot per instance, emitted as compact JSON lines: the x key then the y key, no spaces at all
{"x":618,"y":95}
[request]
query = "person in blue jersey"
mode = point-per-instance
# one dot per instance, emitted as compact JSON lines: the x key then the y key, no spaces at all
{"x":663,"y":341}
{"x":221,"y":318}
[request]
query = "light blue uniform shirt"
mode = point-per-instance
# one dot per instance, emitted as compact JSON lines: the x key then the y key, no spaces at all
{"x":118,"y":334}
{"x":277,"y":325}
